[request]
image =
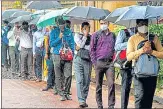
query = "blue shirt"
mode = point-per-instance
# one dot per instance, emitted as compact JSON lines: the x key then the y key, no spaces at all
{"x":56,"y":41}
{"x":120,"y":44}
{"x":4,"y":35}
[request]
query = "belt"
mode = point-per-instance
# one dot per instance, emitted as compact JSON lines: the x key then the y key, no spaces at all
{"x":106,"y":59}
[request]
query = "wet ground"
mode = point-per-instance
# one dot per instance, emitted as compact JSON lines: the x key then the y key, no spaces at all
{"x":28,"y":94}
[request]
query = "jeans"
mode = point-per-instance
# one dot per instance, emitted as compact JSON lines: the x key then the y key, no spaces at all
{"x":126,"y":84}
{"x":4,"y":48}
{"x":82,"y":70}
{"x":106,"y":68}
{"x":62,"y":68}
{"x":144,"y":92}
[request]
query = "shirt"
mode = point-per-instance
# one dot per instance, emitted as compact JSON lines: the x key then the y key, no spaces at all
{"x":4,"y":38}
{"x":80,"y":41}
{"x":38,"y":39}
{"x":120,"y":44}
{"x":56,"y":41}
{"x":25,"y":39}
{"x":104,"y":47}
{"x":11,"y":38}
{"x":133,"y":53}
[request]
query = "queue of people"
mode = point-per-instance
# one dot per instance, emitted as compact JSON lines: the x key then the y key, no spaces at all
{"x":62,"y":49}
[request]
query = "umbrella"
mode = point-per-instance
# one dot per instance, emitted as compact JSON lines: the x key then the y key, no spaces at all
{"x":86,"y":12}
{"x":35,"y":20}
{"x":113,"y":16}
{"x":20,"y":13}
{"x":7,"y":13}
{"x":129,"y":17}
{"x":41,"y":12}
{"x":42,"y":5}
{"x":49,"y":18}
{"x":21,"y":19}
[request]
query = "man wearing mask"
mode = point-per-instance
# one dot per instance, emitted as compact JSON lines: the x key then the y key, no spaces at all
{"x":58,"y":37}
{"x":38,"y":39}
{"x":144,"y":86}
{"x":121,"y":44}
{"x":82,"y":63}
{"x":101,"y":52}
{"x":26,"y":52}
{"x":4,"y":46}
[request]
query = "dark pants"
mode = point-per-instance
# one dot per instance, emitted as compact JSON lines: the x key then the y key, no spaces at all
{"x":65,"y":68}
{"x":144,"y":92}
{"x":126,"y":84}
{"x":26,"y":62}
{"x":51,"y":75}
{"x":106,"y":68}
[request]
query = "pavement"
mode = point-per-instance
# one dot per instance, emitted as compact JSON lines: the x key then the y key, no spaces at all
{"x":29,"y":94}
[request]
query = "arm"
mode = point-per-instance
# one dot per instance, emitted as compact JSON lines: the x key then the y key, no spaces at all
{"x":47,"y":45}
{"x":80,"y":42}
{"x":120,"y":44}
{"x":159,"y":52}
{"x":132,"y":54}
{"x":92,"y":51}
{"x":54,"y":40}
{"x":10,"y":34}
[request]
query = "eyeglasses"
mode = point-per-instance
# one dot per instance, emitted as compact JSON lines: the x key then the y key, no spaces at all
{"x":103,"y":23}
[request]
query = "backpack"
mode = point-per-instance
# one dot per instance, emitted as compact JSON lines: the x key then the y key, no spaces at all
{"x":120,"y":59}
{"x":146,"y":65}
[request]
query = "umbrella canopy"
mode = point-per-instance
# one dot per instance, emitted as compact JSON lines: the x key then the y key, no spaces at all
{"x":113,"y":16}
{"x":35,"y":20}
{"x":21,"y":19}
{"x":42,"y":5}
{"x":41,"y":12}
{"x":49,"y":18}
{"x":86,"y":12}
{"x":129,"y":17}
{"x":7,"y":13}
{"x":20,"y":13}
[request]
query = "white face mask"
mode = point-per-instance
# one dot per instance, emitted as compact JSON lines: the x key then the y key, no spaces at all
{"x":104,"y":27}
{"x":143,"y":29}
{"x":84,"y":31}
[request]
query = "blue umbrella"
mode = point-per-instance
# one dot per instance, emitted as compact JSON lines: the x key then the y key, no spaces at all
{"x":128,"y":18}
{"x":7,"y":13}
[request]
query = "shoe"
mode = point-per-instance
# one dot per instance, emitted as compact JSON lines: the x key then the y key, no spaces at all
{"x":86,"y":105}
{"x":46,"y":89}
{"x":38,"y":80}
{"x":82,"y":105}
{"x":63,"y":98}
{"x":55,"y":90}
{"x":68,"y":97}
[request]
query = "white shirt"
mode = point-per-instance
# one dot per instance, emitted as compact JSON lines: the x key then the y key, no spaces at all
{"x":80,"y":41}
{"x":25,"y":39}
{"x":38,"y":39}
{"x":11,"y":38}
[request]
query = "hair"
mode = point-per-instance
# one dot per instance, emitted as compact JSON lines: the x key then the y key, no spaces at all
{"x":5,"y":22}
{"x":9,"y":28}
{"x":85,"y":23}
{"x":67,"y":21}
{"x":139,"y":20}
{"x":102,"y":18}
{"x":25,"y":23}
{"x":60,"y":21}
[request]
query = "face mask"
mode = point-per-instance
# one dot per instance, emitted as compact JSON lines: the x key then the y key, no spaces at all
{"x":104,"y":27}
{"x":39,"y":28}
{"x":143,"y":29}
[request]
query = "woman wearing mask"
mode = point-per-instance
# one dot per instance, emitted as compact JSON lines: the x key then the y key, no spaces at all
{"x":82,"y":63}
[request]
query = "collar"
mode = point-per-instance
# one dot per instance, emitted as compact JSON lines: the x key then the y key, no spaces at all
{"x":101,"y":31}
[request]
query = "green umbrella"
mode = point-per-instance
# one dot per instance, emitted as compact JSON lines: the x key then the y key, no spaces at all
{"x":49,"y":18}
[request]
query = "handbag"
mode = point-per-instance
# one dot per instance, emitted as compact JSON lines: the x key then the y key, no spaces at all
{"x":65,"y":52}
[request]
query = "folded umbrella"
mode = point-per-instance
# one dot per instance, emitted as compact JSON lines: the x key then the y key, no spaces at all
{"x":86,"y":12}
{"x":42,"y":5}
